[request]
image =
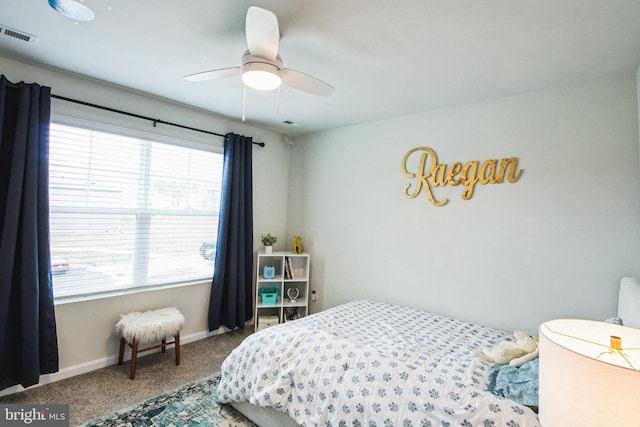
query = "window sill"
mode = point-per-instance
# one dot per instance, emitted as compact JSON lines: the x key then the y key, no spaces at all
{"x":128,"y":291}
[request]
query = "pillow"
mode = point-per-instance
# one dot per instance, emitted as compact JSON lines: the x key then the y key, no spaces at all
{"x":629,"y":302}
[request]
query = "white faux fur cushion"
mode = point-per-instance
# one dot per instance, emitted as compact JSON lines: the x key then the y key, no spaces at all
{"x":629,"y":302}
{"x":152,"y":325}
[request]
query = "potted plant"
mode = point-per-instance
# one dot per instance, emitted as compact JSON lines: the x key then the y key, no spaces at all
{"x":268,"y":240}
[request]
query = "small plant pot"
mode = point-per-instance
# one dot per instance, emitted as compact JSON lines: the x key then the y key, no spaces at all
{"x":268,"y":249}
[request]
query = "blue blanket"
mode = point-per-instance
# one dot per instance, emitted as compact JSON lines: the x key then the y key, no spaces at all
{"x":519,"y":384}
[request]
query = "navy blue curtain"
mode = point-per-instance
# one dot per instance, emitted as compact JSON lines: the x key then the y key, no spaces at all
{"x":231,"y":302}
{"x":28,"y":342}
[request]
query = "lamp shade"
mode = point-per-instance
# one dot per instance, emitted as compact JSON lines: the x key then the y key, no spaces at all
{"x":589,"y":374}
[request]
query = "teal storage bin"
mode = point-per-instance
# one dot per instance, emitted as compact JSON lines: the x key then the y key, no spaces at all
{"x":268,"y":295}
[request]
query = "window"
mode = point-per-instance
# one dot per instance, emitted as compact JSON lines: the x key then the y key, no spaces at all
{"x":128,"y":213}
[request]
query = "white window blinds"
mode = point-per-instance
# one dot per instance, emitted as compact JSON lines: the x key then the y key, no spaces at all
{"x":129,"y":213}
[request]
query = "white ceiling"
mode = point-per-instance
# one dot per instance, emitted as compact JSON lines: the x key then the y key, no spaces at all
{"x":385,"y":58}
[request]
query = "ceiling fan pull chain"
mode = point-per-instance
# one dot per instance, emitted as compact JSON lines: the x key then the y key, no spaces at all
{"x":244,"y":100}
{"x":278,"y":103}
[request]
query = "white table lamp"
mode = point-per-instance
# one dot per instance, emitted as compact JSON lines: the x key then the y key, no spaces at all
{"x":589,"y":374}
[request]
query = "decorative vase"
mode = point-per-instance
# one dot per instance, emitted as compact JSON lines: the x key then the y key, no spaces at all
{"x":268,"y":249}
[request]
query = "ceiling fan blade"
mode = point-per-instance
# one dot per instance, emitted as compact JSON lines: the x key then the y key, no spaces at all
{"x":305,"y":83}
{"x":213,"y":74}
{"x":263,"y":33}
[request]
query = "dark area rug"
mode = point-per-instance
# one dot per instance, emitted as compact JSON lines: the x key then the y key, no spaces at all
{"x":193,"y":404}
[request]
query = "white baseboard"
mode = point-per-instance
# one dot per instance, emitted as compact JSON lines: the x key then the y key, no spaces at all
{"x":93,"y":365}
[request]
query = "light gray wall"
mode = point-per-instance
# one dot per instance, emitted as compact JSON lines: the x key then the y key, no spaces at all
{"x":85,"y":336}
{"x":554,"y":244}
{"x":638,"y":99}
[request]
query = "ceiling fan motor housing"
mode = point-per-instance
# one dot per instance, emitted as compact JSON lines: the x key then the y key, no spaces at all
{"x":261,"y":73}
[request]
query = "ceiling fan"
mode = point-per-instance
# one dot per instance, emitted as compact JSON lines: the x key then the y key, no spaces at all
{"x":261,"y":65}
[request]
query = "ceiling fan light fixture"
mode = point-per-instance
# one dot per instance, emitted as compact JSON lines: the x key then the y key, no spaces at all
{"x":261,"y":67}
{"x":261,"y":76}
{"x":72,"y":10}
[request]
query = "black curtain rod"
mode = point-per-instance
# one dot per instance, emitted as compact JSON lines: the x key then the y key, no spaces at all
{"x":138,"y":116}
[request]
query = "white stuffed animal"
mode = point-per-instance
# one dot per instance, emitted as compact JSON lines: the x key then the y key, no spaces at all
{"x":524,"y":349}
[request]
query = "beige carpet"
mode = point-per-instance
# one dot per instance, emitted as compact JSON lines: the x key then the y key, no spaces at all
{"x":103,"y":391}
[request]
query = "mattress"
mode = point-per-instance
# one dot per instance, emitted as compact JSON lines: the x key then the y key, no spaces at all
{"x":375,"y":364}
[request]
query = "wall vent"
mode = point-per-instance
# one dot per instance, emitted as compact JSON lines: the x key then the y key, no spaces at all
{"x":19,"y":35}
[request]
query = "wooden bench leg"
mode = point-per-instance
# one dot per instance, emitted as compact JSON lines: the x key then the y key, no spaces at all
{"x":177,"y":344}
{"x":134,"y":351}
{"x":134,"y":358}
{"x":121,"y":354}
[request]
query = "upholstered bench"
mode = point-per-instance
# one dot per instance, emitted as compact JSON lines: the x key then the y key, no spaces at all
{"x":149,"y":326}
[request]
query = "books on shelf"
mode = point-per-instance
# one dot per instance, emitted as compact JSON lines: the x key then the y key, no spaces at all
{"x":288,"y":269}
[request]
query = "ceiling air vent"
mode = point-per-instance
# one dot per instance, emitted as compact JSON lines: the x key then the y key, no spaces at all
{"x":19,"y":35}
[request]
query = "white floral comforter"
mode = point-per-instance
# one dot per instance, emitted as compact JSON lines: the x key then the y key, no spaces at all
{"x":371,"y":364}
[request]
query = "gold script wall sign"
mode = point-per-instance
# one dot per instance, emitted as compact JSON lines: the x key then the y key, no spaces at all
{"x":431,"y":174}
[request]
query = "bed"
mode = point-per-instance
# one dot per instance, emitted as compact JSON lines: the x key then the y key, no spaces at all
{"x":368,"y":363}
